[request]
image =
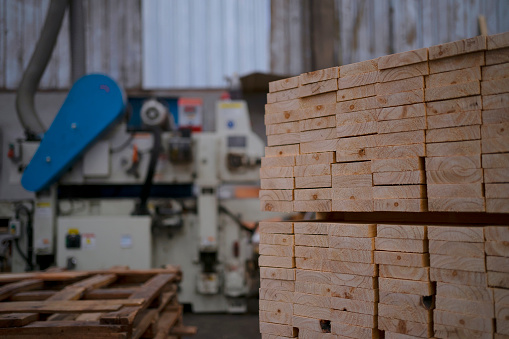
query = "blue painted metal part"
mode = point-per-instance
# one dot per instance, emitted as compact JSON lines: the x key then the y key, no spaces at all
{"x":94,"y":103}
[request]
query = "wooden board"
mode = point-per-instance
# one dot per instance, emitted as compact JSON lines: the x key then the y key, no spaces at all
{"x":354,"y":319}
{"x":497,"y":41}
{"x":278,"y":161}
{"x":318,"y":76}
{"x":276,"y":172}
{"x":402,"y":272}
{"x":353,"y":243}
{"x":405,"y":312}
{"x":460,"y":277}
{"x":318,"y":88}
{"x":400,"y":138}
{"x":498,"y":56}
{"x":313,"y":194}
{"x":401,"y":245}
{"x":276,"y":284}
{"x":285,"y":127}
{"x":321,"y":253}
{"x":283,"y":139}
{"x":453,"y":77}
{"x":461,"y":148}
{"x":267,"y":305}
{"x":457,"y":62}
{"x":352,"y":206}
{"x":454,"y":120}
{"x":284,"y":84}
{"x":312,"y":170}
{"x":404,"y":72}
{"x":358,"y":68}
{"x":352,"y":193}
{"x":276,"y":295}
{"x":405,"y":327}
{"x":496,"y":175}
{"x":406,"y":286}
{"x":277,"y":273}
{"x":400,"y":205}
{"x":281,"y":151}
{"x":312,"y":206}
{"x":402,"y":125}
{"x":401,"y":259}
{"x":497,"y":191}
{"x":448,"y":163}
{"x":455,"y":190}
{"x":283,"y":106}
{"x":353,"y":168}
{"x":447,"y":331}
{"x":497,"y":233}
{"x":277,"y":329}
{"x":356,"y":306}
{"x":400,"y":178}
{"x":356,"y":92}
{"x":276,"y":250}
{"x":401,"y":231}
{"x":465,"y":292}
{"x":453,"y":91}
{"x":311,"y":240}
{"x":396,"y":152}
{"x":320,"y":145}
{"x":288,"y":94}
{"x":359,"y":230}
{"x":454,"y":106}
{"x":495,"y":86}
{"x":359,"y":117}
{"x":317,"y":123}
{"x":349,"y":181}
{"x":356,"y":105}
{"x":349,"y":255}
{"x":403,"y":98}
{"x":395,"y":165}
{"x":455,"y":176}
{"x":402,"y":112}
{"x":453,"y":233}
{"x":402,"y":59}
{"x":312,"y":311}
{"x":496,"y":101}
{"x":352,"y":130}
{"x":315,"y":159}
{"x":472,"y":132}
{"x":495,"y":72}
{"x":276,"y":261}
{"x":286,"y":195}
{"x":400,"y":192}
{"x":465,"y":321}
{"x":277,"y":184}
{"x":313,"y":182}
{"x":358,"y":80}
{"x":497,"y":248}
{"x":312,"y":228}
{"x":454,"y":262}
{"x":497,"y":264}
{"x":480,"y":308}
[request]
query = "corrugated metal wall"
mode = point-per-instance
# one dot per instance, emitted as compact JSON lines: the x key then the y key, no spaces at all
{"x":195,"y":43}
{"x":371,"y":28}
{"x":113,"y":31}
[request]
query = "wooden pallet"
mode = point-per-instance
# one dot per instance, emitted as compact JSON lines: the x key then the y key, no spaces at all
{"x":418,"y":131}
{"x":115,"y":303}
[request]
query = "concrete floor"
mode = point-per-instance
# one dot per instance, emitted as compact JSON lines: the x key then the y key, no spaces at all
{"x":223,"y":326}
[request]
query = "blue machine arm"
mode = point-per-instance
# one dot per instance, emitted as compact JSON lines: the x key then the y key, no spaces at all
{"x":94,"y":103}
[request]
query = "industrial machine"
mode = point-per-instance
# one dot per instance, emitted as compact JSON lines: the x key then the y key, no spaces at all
{"x":143,"y":189}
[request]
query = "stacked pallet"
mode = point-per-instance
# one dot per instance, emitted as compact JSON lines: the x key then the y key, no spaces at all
{"x":116,"y":303}
{"x":455,"y":74}
{"x":398,"y":173}
{"x":400,"y":133}
{"x":464,"y":302}
{"x":495,"y":149}
{"x":405,"y":288}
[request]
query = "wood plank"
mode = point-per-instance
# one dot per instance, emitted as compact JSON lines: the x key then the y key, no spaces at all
{"x":358,"y":68}
{"x":8,"y":290}
{"x":402,"y":259}
{"x":497,"y":41}
{"x":497,"y":233}
{"x":275,"y":317}
{"x":453,"y":77}
{"x":399,"y":192}
{"x":403,"y":58}
{"x":354,"y":154}
{"x":276,"y":172}
{"x":498,"y":56}
{"x":311,"y":300}
{"x":318,"y":110}
{"x":309,"y":328}
{"x":495,"y":101}
{"x":319,"y":146}
{"x":401,"y":112}
{"x":354,"y":319}
{"x":365,"y":257}
{"x":312,"y":206}
{"x":448,"y":163}
{"x":283,"y":106}
{"x":401,"y":231}
{"x":319,"y":101}
{"x":277,"y":184}
{"x":406,"y":286}
{"x":460,"y":277}
{"x":356,"y":306}
{"x":281,"y":151}
{"x":66,"y":306}
{"x":277,"y":273}
{"x":494,"y":72}
{"x":17,"y":319}
{"x":318,"y":88}
{"x":278,"y":118}
{"x":400,"y":138}
{"x":453,"y":233}
{"x":359,"y":230}
{"x":497,"y":248}
{"x":356,"y":92}
{"x":353,"y":280}
{"x":454,"y":262}
{"x":312,"y":228}
{"x":311,"y":240}
{"x":313,"y":194}
{"x":277,"y":239}
{"x":277,"y":329}
{"x":400,"y":178}
{"x":267,"y":305}
{"x":313,"y":182}
{"x":396,"y":152}
{"x":472,"y":132}
{"x":461,"y":61}
{"x":282,"y":128}
{"x":356,"y":129}
{"x":285,"y":95}
{"x":403,"y":125}
{"x":352,"y":193}
{"x":494,"y":175}
{"x":356,"y":105}
{"x":455,"y":176}
{"x":345,"y":267}
{"x":403,"y":98}
{"x":319,"y":75}
{"x":277,"y":284}
{"x":350,"y":331}
{"x":454,"y":119}
{"x":460,"y":148}
{"x":465,"y":292}
{"x":276,"y":261}
{"x":283,"y":139}
{"x":286,"y":195}
{"x":352,"y":206}
{"x":399,"y":164}
{"x":399,"y":245}
{"x":462,"y":320}
{"x":497,"y":205}
{"x":402,"y":272}
{"x":311,"y":252}
{"x":498,"y":279}
{"x":308,"y":334}
{"x":276,"y":227}
{"x":456,"y":204}
{"x":314,"y":288}
{"x":315,"y":159}
{"x":354,"y":168}
{"x":447,"y":331}
{"x":276,"y":250}
{"x":497,"y":264}
{"x":317,"y":123}
{"x":312,"y":311}
{"x":276,"y":206}
{"x":495,"y":131}
{"x":497,"y":86}
{"x":358,"y":80}
{"x":354,"y":293}
{"x":353,"y":118}
{"x":455,"y":190}
{"x":278,"y":161}
{"x":276,"y":295}
{"x":349,"y":181}
{"x":469,"y":307}
{"x":353,"y":243}
{"x":283,"y":84}
{"x":311,"y":264}
{"x":356,"y":142}
{"x":405,"y":312}
{"x":459,"y":105}
{"x":405,"y":327}
{"x":457,"y":248}
{"x":312,"y":170}
{"x":453,"y":91}
{"x":404,"y":72}
{"x":64,"y":329}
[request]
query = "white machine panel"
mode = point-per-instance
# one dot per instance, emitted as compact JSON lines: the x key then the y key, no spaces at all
{"x":106,"y":241}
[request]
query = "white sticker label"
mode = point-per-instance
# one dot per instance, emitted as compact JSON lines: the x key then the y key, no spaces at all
{"x":88,"y":241}
{"x":126,"y":241}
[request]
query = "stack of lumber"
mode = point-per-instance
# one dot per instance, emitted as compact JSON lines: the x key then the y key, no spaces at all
{"x":495,"y":117}
{"x":464,"y":302}
{"x":405,"y":288}
{"x":384,"y":280}
{"x":115,"y":303}
{"x":401,"y":133}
